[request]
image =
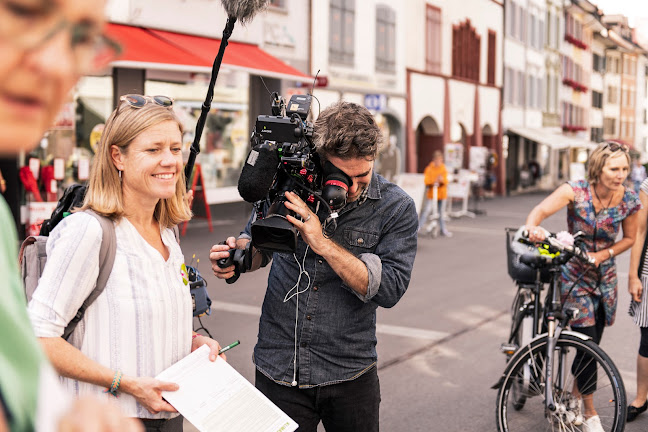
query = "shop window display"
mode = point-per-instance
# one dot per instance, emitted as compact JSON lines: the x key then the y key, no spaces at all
{"x":224,"y":143}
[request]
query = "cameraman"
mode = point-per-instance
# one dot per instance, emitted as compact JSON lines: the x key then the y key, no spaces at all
{"x":318,"y":363}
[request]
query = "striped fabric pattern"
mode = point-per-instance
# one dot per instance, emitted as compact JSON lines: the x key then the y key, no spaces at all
{"x":141,"y":323}
{"x":639,"y":311}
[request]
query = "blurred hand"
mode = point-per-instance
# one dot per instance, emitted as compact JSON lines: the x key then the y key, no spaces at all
{"x":214,"y":346}
{"x":635,"y":289}
{"x":222,"y":251}
{"x":599,"y":256}
{"x":536,"y":233}
{"x":148,"y":392}
{"x":92,"y":415}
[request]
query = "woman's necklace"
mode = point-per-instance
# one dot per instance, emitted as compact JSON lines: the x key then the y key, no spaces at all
{"x":603,"y":209}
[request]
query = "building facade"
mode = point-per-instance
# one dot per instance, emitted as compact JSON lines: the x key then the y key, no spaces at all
{"x":525,"y":81}
{"x":454,"y":82}
{"x":358,"y":53}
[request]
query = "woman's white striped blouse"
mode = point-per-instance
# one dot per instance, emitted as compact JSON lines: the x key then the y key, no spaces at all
{"x":141,"y":324}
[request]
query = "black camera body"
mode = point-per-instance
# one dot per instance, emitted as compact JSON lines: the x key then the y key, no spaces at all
{"x":283,"y":158}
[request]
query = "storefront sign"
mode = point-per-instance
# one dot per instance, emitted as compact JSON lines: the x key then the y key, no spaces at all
{"x":84,"y":169}
{"x":414,"y":185}
{"x":34,"y":167}
{"x":460,"y":187}
{"x":453,"y":156}
{"x":37,"y":212}
{"x":375,"y":102}
{"x":59,"y":169}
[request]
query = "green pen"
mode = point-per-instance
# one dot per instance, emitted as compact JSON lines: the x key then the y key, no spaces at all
{"x":228,"y":347}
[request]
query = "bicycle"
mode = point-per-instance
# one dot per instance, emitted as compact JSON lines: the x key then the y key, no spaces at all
{"x":537,"y":390}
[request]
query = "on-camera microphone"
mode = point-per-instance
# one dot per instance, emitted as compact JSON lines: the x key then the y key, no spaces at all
{"x":258,"y":172}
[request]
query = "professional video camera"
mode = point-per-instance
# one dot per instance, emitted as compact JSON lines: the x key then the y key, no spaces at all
{"x":283,"y":158}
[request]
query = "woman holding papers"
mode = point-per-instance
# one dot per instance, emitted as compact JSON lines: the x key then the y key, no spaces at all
{"x":142,"y":322}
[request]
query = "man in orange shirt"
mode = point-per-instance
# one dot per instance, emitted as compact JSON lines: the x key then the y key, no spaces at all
{"x":436,"y":174}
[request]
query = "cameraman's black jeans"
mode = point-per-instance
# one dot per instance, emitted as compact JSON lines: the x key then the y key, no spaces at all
{"x":350,"y":406}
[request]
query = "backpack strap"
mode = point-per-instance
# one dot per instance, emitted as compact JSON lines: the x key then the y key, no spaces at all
{"x":106,"y":261}
{"x":176,"y":233}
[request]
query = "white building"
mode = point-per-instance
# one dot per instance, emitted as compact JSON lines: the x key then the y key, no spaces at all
{"x":358,"y":50}
{"x":641,"y":122}
{"x":597,"y":84}
{"x":525,"y":82}
{"x":454,"y":79}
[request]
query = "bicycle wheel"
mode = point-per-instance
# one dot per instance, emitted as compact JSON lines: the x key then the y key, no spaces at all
{"x":608,"y":392}
{"x":521,"y":335}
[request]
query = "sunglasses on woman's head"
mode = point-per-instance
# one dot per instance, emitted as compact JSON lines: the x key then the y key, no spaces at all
{"x":138,"y":101}
{"x":613,"y":146}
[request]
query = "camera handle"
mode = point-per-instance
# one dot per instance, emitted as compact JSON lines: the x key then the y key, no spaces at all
{"x":241,"y":259}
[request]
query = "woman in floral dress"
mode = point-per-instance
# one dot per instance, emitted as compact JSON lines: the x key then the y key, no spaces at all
{"x":598,"y":207}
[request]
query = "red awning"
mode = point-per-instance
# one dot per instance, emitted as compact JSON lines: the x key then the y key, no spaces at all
{"x":156,"y":49}
{"x":142,"y":48}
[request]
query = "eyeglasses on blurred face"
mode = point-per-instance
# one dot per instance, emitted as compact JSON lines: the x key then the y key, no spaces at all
{"x":29,"y":24}
{"x":138,"y":101}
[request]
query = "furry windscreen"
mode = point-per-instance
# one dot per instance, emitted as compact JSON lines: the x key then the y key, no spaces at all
{"x":243,"y":10}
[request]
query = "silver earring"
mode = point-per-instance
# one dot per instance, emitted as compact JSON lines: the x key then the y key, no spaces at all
{"x":119,"y":174}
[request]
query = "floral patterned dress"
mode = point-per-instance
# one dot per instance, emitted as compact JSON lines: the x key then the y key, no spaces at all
{"x":584,"y":287}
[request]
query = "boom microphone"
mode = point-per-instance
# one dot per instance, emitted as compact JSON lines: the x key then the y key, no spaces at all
{"x":243,"y":11}
{"x":258,"y":172}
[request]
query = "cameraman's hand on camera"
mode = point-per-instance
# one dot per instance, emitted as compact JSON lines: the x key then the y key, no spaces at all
{"x":220,"y":251}
{"x":213,"y":345}
{"x":309,"y":226}
{"x":148,"y":392}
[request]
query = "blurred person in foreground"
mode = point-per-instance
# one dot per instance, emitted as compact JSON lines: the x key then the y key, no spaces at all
{"x":638,"y":287}
{"x":318,"y":363}
{"x":141,"y":324}
{"x":45,"y":47}
{"x":598,"y":206}
{"x":436,"y":175}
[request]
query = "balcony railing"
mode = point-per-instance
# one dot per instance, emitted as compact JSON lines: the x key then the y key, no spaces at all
{"x":575,"y":85}
{"x":576,"y":42}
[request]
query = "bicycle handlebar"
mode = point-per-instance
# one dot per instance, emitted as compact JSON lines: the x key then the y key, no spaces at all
{"x":552,"y":241}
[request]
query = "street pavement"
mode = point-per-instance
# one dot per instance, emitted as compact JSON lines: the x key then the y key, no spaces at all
{"x":438,"y":348}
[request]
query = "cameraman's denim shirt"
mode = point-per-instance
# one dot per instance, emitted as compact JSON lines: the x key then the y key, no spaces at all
{"x":336,"y":328}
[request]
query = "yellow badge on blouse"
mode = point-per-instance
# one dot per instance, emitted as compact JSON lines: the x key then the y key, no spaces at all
{"x":184,"y":274}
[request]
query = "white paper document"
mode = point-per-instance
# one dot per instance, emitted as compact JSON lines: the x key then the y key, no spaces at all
{"x":214,"y":397}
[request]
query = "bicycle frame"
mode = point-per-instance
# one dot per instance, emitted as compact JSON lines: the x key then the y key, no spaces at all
{"x":556,"y":321}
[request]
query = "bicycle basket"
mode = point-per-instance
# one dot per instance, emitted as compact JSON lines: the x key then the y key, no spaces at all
{"x":517,"y":270}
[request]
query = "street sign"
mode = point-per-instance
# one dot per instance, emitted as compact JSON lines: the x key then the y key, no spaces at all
{"x":375,"y":102}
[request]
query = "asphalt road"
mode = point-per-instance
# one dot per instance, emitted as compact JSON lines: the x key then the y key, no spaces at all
{"x":438,"y":348}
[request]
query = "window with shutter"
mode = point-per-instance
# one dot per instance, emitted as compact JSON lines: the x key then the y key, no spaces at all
{"x":433,"y":39}
{"x":492,"y":54}
{"x":341,"y":31}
